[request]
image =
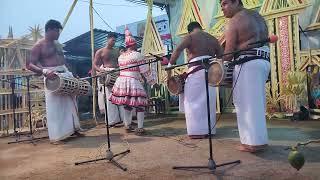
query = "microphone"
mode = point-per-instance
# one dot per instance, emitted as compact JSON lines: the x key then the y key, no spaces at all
{"x":271,"y":39}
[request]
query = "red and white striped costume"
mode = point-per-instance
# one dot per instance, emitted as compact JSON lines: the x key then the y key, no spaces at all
{"x":128,"y":89}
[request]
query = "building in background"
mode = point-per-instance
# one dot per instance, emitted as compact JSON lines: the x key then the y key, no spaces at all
{"x":162,"y":23}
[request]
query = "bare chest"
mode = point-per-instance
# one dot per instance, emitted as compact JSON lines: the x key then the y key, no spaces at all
{"x":109,"y":57}
{"x":49,"y":51}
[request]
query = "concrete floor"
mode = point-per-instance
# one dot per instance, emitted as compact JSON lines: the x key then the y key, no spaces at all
{"x":164,"y":145}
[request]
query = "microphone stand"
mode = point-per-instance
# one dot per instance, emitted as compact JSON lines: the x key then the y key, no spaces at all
{"x":211,"y":164}
{"x":310,"y":102}
{"x":13,"y":106}
{"x":17,"y":134}
{"x":109,"y":154}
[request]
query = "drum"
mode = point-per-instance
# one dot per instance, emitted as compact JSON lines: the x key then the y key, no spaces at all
{"x":84,"y":88}
{"x":63,"y":85}
{"x":109,"y":79}
{"x":176,"y":83}
{"x":220,"y":74}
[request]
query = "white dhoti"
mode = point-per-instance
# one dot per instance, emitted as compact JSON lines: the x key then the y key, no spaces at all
{"x":62,"y":111}
{"x":194,"y":100}
{"x":115,"y":113}
{"x":250,"y":101}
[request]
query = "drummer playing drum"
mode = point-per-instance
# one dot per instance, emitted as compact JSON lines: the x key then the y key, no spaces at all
{"x":106,"y":59}
{"x":47,"y":59}
{"x":199,"y":45}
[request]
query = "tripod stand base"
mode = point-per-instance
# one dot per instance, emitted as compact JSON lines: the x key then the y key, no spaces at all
{"x":211,"y":165}
{"x":109,"y":157}
{"x":26,"y":140}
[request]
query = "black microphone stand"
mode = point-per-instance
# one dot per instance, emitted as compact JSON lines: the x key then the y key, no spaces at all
{"x":13,"y":106}
{"x":17,"y":134}
{"x":109,"y":153}
{"x":211,"y":164}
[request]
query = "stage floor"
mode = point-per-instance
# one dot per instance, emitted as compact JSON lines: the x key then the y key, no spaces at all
{"x":164,"y":145}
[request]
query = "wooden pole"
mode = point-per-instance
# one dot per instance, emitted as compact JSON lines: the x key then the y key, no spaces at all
{"x":93,"y":70}
{"x":69,"y":13}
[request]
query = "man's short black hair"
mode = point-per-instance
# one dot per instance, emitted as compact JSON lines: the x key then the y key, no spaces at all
{"x":112,"y":35}
{"x":240,"y":2}
{"x":52,"y":24}
{"x":193,"y":25}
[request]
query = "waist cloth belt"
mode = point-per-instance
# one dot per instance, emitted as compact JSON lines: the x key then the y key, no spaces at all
{"x":249,"y":55}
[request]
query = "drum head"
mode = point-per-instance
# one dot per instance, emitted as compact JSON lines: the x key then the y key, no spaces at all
{"x":53,"y":84}
{"x":173,"y":86}
{"x":216,"y":73}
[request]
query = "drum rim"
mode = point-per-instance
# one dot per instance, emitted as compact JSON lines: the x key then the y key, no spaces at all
{"x":179,"y":90}
{"x":48,"y":80}
{"x":222,"y":75}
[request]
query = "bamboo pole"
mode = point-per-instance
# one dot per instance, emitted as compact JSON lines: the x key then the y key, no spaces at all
{"x":93,"y":70}
{"x":69,"y":13}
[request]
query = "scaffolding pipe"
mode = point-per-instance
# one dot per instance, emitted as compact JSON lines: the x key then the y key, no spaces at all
{"x":93,"y":71}
{"x":69,"y":13}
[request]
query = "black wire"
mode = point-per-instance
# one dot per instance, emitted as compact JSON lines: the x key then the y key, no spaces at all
{"x":231,"y":94}
{"x":105,"y":4}
{"x":102,"y":19}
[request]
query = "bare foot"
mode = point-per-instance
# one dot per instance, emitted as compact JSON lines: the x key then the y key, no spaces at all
{"x":198,"y":136}
{"x":117,"y":124}
{"x":56,"y":142}
{"x":129,"y":129}
{"x":204,"y":136}
{"x":251,"y":149}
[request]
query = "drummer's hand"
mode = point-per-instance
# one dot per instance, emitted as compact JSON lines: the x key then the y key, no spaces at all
{"x":50,"y":74}
{"x":169,"y":65}
{"x":99,"y":70}
{"x":169,"y":71}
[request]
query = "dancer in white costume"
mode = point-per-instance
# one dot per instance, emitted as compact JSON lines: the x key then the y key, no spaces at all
{"x":199,"y":45}
{"x":128,"y":90}
{"x":245,"y":27}
{"x":106,"y":59}
{"x":47,"y":59}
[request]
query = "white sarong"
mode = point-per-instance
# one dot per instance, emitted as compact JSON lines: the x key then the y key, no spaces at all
{"x":194,"y":100}
{"x":250,"y":101}
{"x":62,"y":111}
{"x":115,"y":113}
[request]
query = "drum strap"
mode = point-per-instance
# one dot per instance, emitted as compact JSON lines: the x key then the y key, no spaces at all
{"x":196,"y":69}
